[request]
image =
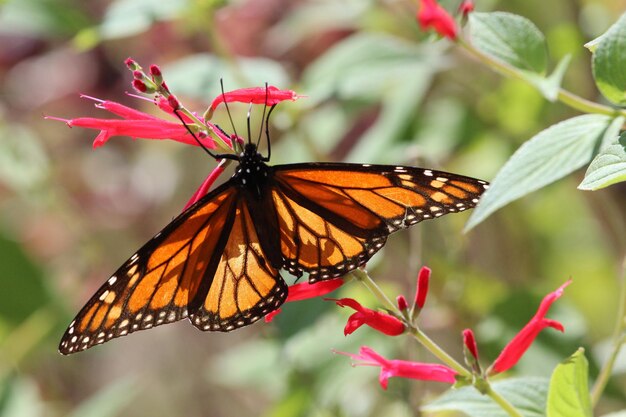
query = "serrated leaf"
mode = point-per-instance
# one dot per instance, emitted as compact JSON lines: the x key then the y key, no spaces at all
{"x":545,"y":158}
{"x":568,"y":395}
{"x":510,"y":38}
{"x":609,"y":61}
{"x":607,"y":168}
{"x":528,"y":396}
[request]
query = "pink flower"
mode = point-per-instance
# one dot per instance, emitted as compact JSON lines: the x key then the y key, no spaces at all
{"x":514,"y":350}
{"x":304,"y":290}
{"x":432,"y":15}
{"x":383,"y":322}
{"x":423,"y":279}
{"x":403,"y":369}
{"x":256,"y":95}
{"x":134,"y":123}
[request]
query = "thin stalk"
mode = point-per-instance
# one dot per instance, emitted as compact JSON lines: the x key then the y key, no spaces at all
{"x":503,"y":403}
{"x":619,"y":339}
{"x":566,"y":97}
{"x":363,"y":276}
{"x":437,"y":351}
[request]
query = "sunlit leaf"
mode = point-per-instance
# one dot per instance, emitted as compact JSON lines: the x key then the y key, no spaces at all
{"x":607,"y":168}
{"x":568,"y":395}
{"x":609,"y":61}
{"x":510,"y":38}
{"x":545,"y":158}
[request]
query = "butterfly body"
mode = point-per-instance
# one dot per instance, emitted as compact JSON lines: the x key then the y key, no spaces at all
{"x":218,"y":262}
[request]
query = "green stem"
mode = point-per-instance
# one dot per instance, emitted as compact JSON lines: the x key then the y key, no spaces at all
{"x":619,"y":339}
{"x":566,"y":97}
{"x":437,"y":351}
{"x":432,"y":347}
{"x":363,"y":276}
{"x":421,"y":337}
{"x":503,"y":403}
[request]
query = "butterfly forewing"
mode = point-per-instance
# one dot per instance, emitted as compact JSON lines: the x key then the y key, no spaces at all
{"x":334,"y":217}
{"x":156,"y":284}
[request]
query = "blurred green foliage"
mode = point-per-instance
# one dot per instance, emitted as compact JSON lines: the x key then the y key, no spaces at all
{"x":378,"y":91}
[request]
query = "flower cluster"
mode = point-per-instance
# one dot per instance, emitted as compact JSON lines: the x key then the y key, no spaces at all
{"x":184,"y":127}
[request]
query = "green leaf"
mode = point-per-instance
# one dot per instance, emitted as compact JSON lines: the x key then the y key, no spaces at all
{"x":609,"y":61}
{"x":510,"y":38}
{"x":545,"y":158}
{"x":607,"y":168}
{"x":527,"y":395}
{"x":549,"y":86}
{"x":568,"y":395}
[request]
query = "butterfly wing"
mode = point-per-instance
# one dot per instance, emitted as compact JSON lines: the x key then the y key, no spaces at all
{"x":333,"y":216}
{"x":246,"y":286}
{"x":159,"y":282}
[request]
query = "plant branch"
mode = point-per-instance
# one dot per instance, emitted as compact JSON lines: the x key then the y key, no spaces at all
{"x":566,"y":97}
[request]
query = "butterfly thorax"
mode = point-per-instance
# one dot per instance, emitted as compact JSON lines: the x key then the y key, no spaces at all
{"x":252,"y":172}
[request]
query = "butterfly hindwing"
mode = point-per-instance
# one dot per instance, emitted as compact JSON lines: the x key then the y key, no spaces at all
{"x":156,"y":284}
{"x":335,"y":216}
{"x":246,"y":286}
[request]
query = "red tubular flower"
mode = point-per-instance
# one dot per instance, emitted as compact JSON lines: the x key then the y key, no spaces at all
{"x":423,"y":278}
{"x":205,"y":187}
{"x":256,"y":95}
{"x":514,"y":350}
{"x":403,"y":369}
{"x":135,"y":124}
{"x":470,"y":342}
{"x":402,"y":303}
{"x":466,"y":7}
{"x":383,"y":322}
{"x":304,"y":290}
{"x":432,"y":15}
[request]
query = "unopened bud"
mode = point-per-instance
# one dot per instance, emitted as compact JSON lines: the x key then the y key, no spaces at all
{"x":131,"y":64}
{"x":173,"y":102}
{"x":140,"y":86}
{"x":138,"y":75}
{"x":402,"y":303}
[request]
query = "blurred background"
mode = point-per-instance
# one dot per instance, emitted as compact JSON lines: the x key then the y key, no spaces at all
{"x":378,"y":91}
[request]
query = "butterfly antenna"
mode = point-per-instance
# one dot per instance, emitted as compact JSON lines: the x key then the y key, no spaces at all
{"x":258,"y":141}
{"x":267,"y":132}
{"x":176,"y":112}
{"x":230,"y":117}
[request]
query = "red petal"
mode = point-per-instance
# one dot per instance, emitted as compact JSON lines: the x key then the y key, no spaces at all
{"x":432,"y":15}
{"x":256,"y":95}
{"x":516,"y":348}
{"x":423,"y":278}
{"x":205,"y":187}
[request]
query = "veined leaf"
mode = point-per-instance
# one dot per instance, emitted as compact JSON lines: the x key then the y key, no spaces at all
{"x":510,"y":38}
{"x":607,"y":168}
{"x":545,"y":158}
{"x":609,"y":61}
{"x":568,"y":395}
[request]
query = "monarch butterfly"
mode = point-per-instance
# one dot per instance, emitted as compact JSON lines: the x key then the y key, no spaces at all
{"x":218,"y":262}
